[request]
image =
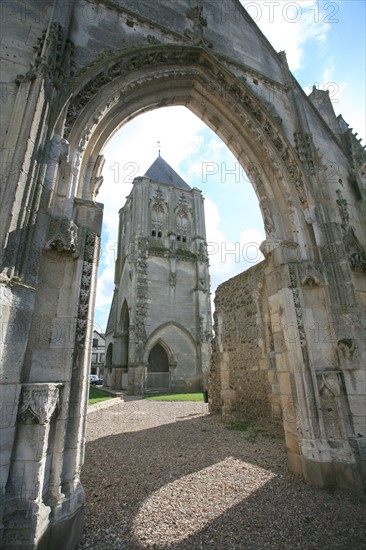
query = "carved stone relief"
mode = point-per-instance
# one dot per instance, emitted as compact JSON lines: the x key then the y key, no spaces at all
{"x":63,"y":236}
{"x":38,"y":402}
{"x":346,"y":348}
{"x":141,"y":297}
{"x":356,"y":254}
{"x":54,"y":61}
{"x":306,"y":151}
{"x":198,"y":23}
{"x":84,"y":296}
{"x":298,"y":308}
{"x":329,"y":392}
{"x":311,"y":273}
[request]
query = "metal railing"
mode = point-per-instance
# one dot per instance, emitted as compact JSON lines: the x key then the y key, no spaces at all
{"x":157,"y":381}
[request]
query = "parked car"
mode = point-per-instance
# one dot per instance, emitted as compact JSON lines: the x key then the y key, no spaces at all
{"x":95,"y":380}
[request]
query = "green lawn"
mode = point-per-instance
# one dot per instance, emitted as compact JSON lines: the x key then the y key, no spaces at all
{"x":176,"y":397}
{"x":95,"y":396}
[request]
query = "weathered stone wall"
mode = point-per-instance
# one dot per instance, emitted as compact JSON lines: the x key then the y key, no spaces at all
{"x":240,"y":366}
{"x":65,"y":91}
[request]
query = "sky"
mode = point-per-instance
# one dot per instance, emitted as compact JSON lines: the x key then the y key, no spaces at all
{"x":325,"y":45}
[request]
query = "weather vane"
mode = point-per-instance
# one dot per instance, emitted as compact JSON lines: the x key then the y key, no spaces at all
{"x":159,"y":147}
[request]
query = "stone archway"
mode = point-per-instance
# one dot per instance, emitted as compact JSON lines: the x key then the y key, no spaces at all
{"x":158,"y":359}
{"x":157,"y":375}
{"x":109,"y":356}
{"x":82,"y":85}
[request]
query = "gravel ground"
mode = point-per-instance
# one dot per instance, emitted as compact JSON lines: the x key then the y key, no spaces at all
{"x":168,"y":475}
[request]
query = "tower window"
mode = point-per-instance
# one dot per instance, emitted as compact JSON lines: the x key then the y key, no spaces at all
{"x":153,"y":233}
{"x":184,"y":239}
{"x":160,"y":234}
{"x":178,"y":238}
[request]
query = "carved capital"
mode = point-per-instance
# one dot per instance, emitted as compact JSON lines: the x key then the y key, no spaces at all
{"x":290,"y":248}
{"x":63,"y":236}
{"x":39,"y":402}
{"x":311,"y":274}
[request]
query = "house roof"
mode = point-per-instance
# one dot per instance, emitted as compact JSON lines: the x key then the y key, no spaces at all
{"x":161,"y":172}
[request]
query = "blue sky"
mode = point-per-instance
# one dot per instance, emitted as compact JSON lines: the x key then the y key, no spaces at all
{"x":325,"y":45}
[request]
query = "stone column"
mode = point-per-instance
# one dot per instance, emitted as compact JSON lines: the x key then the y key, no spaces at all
{"x":314,"y":402}
{"x":27,"y":515}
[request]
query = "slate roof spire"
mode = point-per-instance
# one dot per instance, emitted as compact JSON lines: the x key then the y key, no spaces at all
{"x":161,"y":172}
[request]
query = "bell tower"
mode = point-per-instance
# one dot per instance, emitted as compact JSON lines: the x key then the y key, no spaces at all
{"x":158,"y":336}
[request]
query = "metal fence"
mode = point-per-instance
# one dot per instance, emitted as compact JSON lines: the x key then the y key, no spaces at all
{"x":157,"y":381}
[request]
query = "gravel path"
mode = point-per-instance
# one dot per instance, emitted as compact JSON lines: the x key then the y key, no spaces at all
{"x":169,"y":476}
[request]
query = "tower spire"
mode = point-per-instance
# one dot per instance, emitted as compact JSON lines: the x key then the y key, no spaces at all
{"x":159,"y":147}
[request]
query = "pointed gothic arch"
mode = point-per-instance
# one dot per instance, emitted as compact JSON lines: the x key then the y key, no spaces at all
{"x":109,"y":356}
{"x":125,"y":334}
{"x":233,"y":112}
{"x":60,"y":114}
{"x":158,"y":216}
{"x":158,"y":360}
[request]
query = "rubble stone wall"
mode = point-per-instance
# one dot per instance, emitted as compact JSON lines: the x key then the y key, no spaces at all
{"x":239,"y":376}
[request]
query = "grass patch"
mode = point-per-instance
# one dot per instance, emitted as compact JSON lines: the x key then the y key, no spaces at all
{"x":95,"y":396}
{"x":176,"y":397}
{"x":252,"y":431}
{"x":239,"y":426}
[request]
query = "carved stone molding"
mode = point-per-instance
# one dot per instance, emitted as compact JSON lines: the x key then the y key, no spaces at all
{"x":242,"y":101}
{"x":202,"y":253}
{"x":141,"y":297}
{"x":311,"y":273}
{"x":157,"y":201}
{"x":39,"y":402}
{"x":306,"y":151}
{"x":84,"y":296}
{"x":329,"y":380}
{"x":183,"y":207}
{"x":298,"y":309}
{"x":54,"y":58}
{"x":356,"y":253}
{"x":270,"y":245}
{"x":63,"y":237}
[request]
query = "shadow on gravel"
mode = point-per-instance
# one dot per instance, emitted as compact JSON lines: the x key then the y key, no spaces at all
{"x":131,"y":495}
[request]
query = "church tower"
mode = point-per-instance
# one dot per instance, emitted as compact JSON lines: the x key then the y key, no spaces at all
{"x":158,"y":335}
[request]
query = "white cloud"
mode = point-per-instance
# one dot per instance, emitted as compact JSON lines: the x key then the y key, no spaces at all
{"x":289,"y":25}
{"x":228,"y":258}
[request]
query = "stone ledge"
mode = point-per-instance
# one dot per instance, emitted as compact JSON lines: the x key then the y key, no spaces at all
{"x":327,"y":474}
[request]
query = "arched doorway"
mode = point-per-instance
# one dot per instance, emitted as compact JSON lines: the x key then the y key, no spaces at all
{"x":157,"y":375}
{"x":125,"y":325}
{"x":158,"y":360}
{"x":124,"y":344}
